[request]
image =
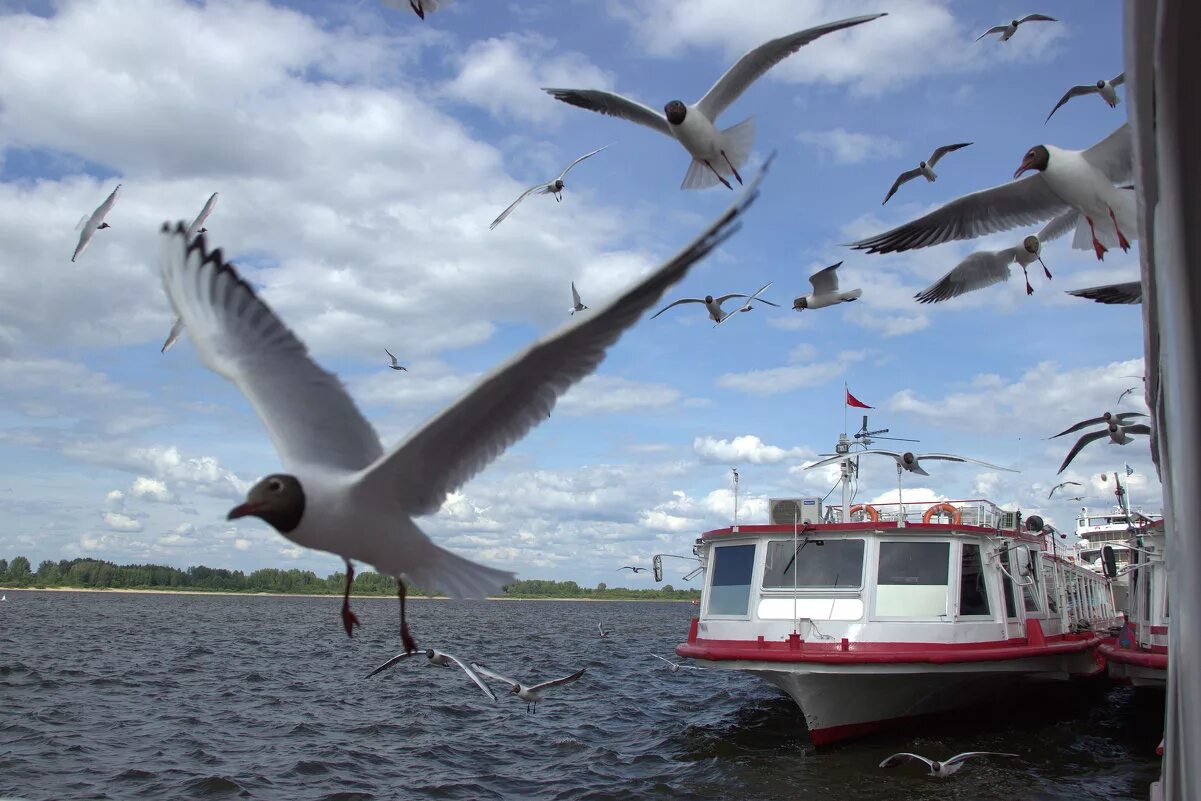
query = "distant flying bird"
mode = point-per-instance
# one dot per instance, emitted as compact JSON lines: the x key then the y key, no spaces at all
{"x":1118,"y":433}
{"x":1121,"y":418}
{"x":1103,"y":88}
{"x":635,"y":569}
{"x":715,"y":154}
{"x":674,"y":667}
{"x":746,"y":307}
{"x":440,"y":659}
{"x":554,"y":187}
{"x":1083,"y":180}
{"x":341,"y":493}
{"x":923,"y":168}
{"x":172,"y":335}
{"x":395,"y":365}
{"x":531,"y":695}
{"x":909,"y":461}
{"x":89,"y":224}
{"x":1124,"y":394}
{"x":1007,"y":31}
{"x":604,"y":632}
{"x":576,"y":305}
{"x":1128,"y":292}
{"x":419,"y":6}
{"x":987,"y":267}
{"x":1061,"y":485}
{"x":195,"y":228}
{"x":713,"y":305}
{"x":825,"y":291}
{"x":939,"y":769}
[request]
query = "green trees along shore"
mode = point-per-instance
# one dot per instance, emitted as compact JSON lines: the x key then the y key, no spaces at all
{"x":97,"y":574}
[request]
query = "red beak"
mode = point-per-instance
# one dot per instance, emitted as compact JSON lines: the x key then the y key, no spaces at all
{"x":242,"y":511}
{"x":1025,"y":165}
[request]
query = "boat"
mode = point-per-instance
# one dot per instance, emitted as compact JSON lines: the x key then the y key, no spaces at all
{"x":868,"y":615}
{"x":1097,"y":529}
{"x":1139,"y":655}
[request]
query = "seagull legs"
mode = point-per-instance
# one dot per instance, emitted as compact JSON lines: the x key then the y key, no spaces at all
{"x":733,"y":169}
{"x":1029,"y":289}
{"x":724,"y":182}
{"x":349,"y":620}
{"x":417,"y":6}
{"x":1045,"y":270}
{"x":1098,"y":248}
{"x":1123,"y":243}
{"x":406,"y":639}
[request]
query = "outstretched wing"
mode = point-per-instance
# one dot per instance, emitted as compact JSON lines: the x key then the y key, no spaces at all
{"x":958,"y":758}
{"x":1118,"y":80}
{"x":942,"y":151}
{"x":1080,"y":443}
{"x":520,"y":393}
{"x":1126,"y":292}
{"x":471,"y":674}
{"x":979,"y":270}
{"x":514,"y":204}
{"x":825,"y":282}
{"x":903,"y":178}
{"x":755,"y":62}
{"x":194,"y":228}
{"x":613,"y":106}
{"x":581,"y":158}
{"x":172,"y":335}
{"x":1059,"y":225}
{"x":1137,"y":428}
{"x":1036,"y":18}
{"x":306,"y":410}
{"x":575,"y":296}
{"x":1114,"y":155}
{"x":1078,"y":426}
{"x":1061,"y":485}
{"x":493,"y":674}
{"x":900,"y":759}
{"x":993,"y":29}
{"x":558,"y":682}
{"x":399,"y":657}
{"x":947,"y":457}
{"x":1075,"y":91}
{"x":677,"y":303}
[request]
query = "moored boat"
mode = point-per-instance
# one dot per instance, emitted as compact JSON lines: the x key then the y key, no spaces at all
{"x":1139,"y":655}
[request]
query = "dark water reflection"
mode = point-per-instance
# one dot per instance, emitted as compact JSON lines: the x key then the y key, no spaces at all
{"x":169,"y":696}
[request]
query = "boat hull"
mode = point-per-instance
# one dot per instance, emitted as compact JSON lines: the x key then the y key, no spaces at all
{"x":1138,"y":668}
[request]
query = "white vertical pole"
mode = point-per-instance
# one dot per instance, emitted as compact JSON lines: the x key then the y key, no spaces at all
{"x":900,"y":502}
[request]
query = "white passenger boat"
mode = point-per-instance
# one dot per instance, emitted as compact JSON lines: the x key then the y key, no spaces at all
{"x":1139,"y":655}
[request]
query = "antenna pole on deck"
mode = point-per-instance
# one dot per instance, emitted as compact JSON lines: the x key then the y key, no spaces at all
{"x":734,"y":470}
{"x":900,"y":502}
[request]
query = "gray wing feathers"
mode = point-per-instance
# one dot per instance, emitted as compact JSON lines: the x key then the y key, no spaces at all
{"x":979,"y":270}
{"x":944,"y":150}
{"x":567,"y":169}
{"x":1126,"y":292}
{"x":514,"y":205}
{"x":1059,"y":225}
{"x":612,"y":105}
{"x":557,"y":682}
{"x":825,"y":282}
{"x":903,"y":178}
{"x":1114,"y":155}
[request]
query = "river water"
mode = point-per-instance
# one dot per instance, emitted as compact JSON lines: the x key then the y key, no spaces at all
{"x":106,"y":695}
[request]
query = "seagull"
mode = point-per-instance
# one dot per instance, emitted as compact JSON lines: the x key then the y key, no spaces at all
{"x":1118,"y":433}
{"x":715,"y":154}
{"x":713,"y":305}
{"x":342,"y":493}
{"x":554,"y":187}
{"x":419,"y":6}
{"x":909,"y":461}
{"x":1107,"y":418}
{"x":1007,"y":31}
{"x":939,"y":769}
{"x":576,"y":305}
{"x":172,"y":335}
{"x":825,"y":291}
{"x":987,"y":267}
{"x":441,"y":659}
{"x":1078,"y":179}
{"x":1128,"y":292}
{"x":604,"y":632}
{"x":195,"y":228}
{"x":635,"y":569}
{"x":746,"y":307}
{"x":89,"y":224}
{"x":395,"y":365}
{"x":1062,"y":484}
{"x":1103,"y":88}
{"x":675,"y":666}
{"x":531,"y":695}
{"x":1124,"y":394}
{"x":923,"y":168}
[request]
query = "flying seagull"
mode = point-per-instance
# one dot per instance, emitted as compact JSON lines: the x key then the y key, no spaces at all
{"x":939,"y":769}
{"x":674,"y":667}
{"x":909,"y":461}
{"x":342,"y":493}
{"x":531,"y":695}
{"x":172,"y":335}
{"x":1103,"y":88}
{"x":1120,"y":418}
{"x":1125,"y":392}
{"x":395,"y":365}
{"x":576,"y":304}
{"x":987,"y":267}
{"x":554,"y":187}
{"x":715,"y":154}
{"x":713,"y":305}
{"x":1007,"y":31}
{"x":1063,"y":484}
{"x":419,"y":6}
{"x":604,"y":632}
{"x":1128,"y":292}
{"x":746,"y":307}
{"x":1065,"y":179}
{"x":825,"y":291}
{"x":89,"y":224}
{"x":923,"y":168}
{"x":1118,"y":433}
{"x":440,"y":659}
{"x":635,"y":569}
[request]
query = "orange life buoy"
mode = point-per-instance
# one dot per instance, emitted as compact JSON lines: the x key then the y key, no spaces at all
{"x":867,"y":509}
{"x":942,"y":507}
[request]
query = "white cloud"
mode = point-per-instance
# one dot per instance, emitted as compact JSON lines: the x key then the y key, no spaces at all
{"x":119,"y":521}
{"x":242,"y":544}
{"x":602,"y":394}
{"x":848,"y":147}
{"x":802,"y":372}
{"x":745,"y":448}
{"x":151,"y":489}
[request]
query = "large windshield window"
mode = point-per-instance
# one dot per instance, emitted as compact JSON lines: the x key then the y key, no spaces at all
{"x":730,"y":590}
{"x":912,"y":579}
{"x":813,"y":563}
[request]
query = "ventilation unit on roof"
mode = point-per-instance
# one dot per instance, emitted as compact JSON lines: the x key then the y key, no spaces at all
{"x":1011,"y":520}
{"x":783,"y":511}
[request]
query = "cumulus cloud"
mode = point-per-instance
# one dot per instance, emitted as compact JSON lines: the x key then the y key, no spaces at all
{"x":805,"y":369}
{"x":745,"y":448}
{"x":849,"y":147}
{"x":602,"y":394}
{"x":118,"y":521}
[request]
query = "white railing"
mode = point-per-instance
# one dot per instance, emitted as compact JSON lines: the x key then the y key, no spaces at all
{"x":975,"y":512}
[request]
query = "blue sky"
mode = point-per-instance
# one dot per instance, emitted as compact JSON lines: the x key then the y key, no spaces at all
{"x":361,"y":154}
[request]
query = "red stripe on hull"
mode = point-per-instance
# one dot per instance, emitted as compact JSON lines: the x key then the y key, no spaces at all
{"x":1126,"y":656}
{"x":883,"y":653}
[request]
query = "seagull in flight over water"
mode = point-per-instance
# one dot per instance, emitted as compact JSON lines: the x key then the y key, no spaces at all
{"x":532,"y":694}
{"x":940,"y":769}
{"x":339,"y":490}
{"x":604,"y":632}
{"x":440,"y":659}
{"x":674,"y":667}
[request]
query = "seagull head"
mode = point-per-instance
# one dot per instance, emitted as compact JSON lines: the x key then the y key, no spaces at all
{"x":516,"y":688}
{"x":922,"y":164}
{"x":557,"y":186}
{"x":203,"y":231}
{"x":429,"y":653}
{"x":908,"y":460}
{"x":708,"y":298}
{"x":1036,"y":158}
{"x":277,"y":499}
{"x":800,"y":304}
{"x":102,"y":226}
{"x":676,"y":112}
{"x":1013,"y":22}
{"x":1101,"y":84}
{"x":1031,"y":244}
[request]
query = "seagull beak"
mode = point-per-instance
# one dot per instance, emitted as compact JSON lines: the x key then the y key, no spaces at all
{"x":242,"y":511}
{"x":1025,"y":165}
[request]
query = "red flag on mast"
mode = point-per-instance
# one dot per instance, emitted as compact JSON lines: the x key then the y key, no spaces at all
{"x":858,"y":404}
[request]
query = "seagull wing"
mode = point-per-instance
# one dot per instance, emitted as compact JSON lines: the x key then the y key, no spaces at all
{"x":979,"y":270}
{"x":1082,"y":424}
{"x":825,"y":282}
{"x":391,"y":356}
{"x":194,"y":228}
{"x":993,"y":29}
{"x":942,"y":151}
{"x":306,"y":410}
{"x":947,"y":457}
{"x":1080,"y":443}
{"x":581,"y":158}
{"x":668,"y":661}
{"x":751,"y":66}
{"x":513,"y":205}
{"x":903,"y":178}
{"x":559,"y":682}
{"x":1114,"y":155}
{"x":1126,"y":292}
{"x":520,"y":393}
{"x":1059,"y":225}
{"x":959,"y":758}
{"x":82,"y":222}
{"x":172,"y":335}
{"x":842,"y":457}
{"x":575,"y":296}
{"x":1137,"y":428}
{"x":1036,"y":18}
{"x":899,"y":759}
{"x":493,"y":674}
{"x":1075,"y":91}
{"x":1118,"y":80}
{"x":1062,"y":484}
{"x":107,"y":206}
{"x":471,"y":674}
{"x":612,"y":105}
{"x":677,"y":303}
{"x":1022,"y":202}
{"x":1122,"y":417}
{"x":87,"y":226}
{"x":401,"y":656}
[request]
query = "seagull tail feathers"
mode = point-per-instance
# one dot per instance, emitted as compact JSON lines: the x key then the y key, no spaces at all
{"x":737,"y":143}
{"x":854,"y":294}
{"x":456,"y":576}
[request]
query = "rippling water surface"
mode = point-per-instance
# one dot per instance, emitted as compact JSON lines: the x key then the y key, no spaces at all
{"x":106,"y":695}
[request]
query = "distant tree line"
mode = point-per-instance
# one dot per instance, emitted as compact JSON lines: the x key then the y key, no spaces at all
{"x":98,"y":574}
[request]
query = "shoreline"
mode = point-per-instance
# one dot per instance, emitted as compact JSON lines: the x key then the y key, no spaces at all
{"x":127,"y":591}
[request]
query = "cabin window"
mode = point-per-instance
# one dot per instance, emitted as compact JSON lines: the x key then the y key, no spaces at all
{"x":1027,"y":576}
{"x":730,"y":589}
{"x":1011,"y":610}
{"x":973,"y":589}
{"x":912,"y":579}
{"x":814,"y":564}
{"x":1051,"y":584}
